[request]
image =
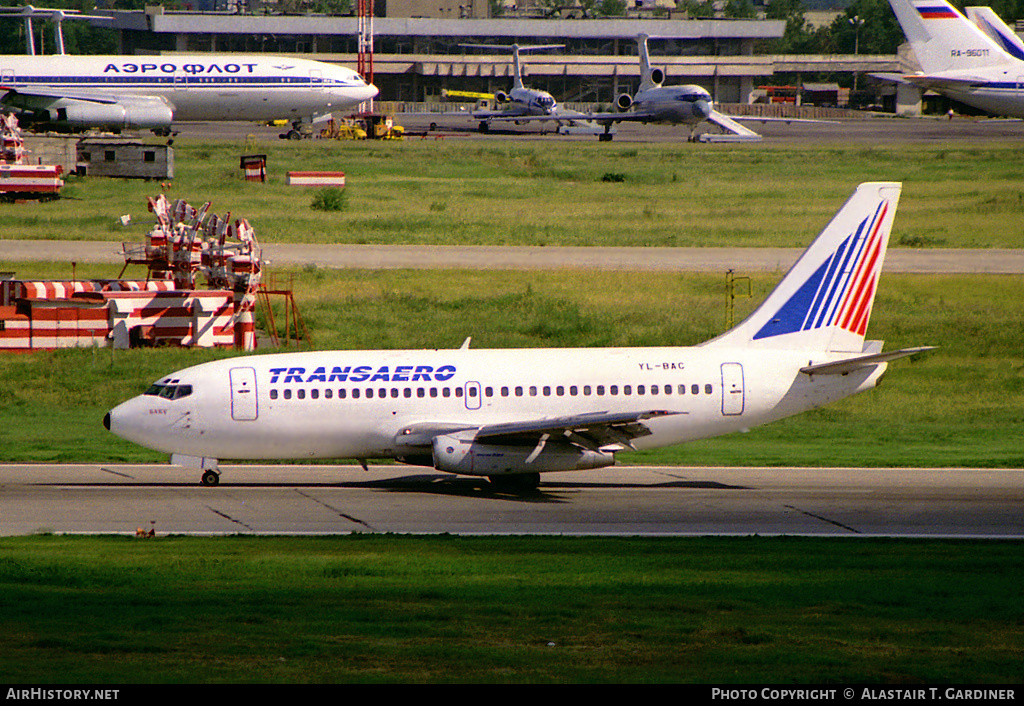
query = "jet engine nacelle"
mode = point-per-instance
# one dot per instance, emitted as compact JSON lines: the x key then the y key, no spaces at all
{"x":624,"y":101}
{"x":141,"y":113}
{"x":460,"y":453}
{"x":501,"y":97}
{"x":656,"y":76}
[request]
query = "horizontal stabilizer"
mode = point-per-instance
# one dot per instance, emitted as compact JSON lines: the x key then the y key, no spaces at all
{"x":842,"y":367}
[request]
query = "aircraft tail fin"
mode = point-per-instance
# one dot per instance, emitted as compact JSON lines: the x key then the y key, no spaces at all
{"x":649,"y":78}
{"x":944,"y":40}
{"x":824,"y":301}
{"x":990,"y":23}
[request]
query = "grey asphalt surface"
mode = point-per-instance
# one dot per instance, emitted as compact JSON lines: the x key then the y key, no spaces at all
{"x":622,"y":500}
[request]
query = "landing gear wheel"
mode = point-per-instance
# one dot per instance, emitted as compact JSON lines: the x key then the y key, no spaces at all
{"x":211,"y":478}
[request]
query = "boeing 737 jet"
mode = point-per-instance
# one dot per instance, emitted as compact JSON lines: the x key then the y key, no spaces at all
{"x":958,"y":59}
{"x":511,"y":415}
{"x":152,"y":92}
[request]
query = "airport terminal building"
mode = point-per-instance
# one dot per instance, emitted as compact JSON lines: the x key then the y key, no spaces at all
{"x":416,"y":58}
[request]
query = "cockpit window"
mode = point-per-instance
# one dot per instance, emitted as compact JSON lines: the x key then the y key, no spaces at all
{"x":169,"y":392}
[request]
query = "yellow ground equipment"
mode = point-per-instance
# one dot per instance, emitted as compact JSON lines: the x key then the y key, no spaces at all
{"x":343,"y":130}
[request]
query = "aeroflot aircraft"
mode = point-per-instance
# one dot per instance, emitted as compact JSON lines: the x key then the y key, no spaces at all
{"x":688,"y":104}
{"x":513,"y":414}
{"x":958,"y":59}
{"x":151,"y":92}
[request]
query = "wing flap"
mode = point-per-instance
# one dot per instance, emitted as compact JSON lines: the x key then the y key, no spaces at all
{"x":590,"y":431}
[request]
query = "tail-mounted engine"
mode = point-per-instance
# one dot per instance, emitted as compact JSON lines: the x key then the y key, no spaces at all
{"x":501,"y":97}
{"x":656,"y":76}
{"x":624,"y":101}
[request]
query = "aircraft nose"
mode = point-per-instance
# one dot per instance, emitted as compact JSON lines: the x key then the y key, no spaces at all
{"x":701,"y":109}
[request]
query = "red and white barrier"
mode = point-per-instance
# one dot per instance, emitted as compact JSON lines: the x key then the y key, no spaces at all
{"x":187,"y":318}
{"x":315,"y":179}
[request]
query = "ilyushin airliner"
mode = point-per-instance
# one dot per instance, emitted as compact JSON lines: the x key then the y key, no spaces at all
{"x":513,"y":414}
{"x":153,"y":92}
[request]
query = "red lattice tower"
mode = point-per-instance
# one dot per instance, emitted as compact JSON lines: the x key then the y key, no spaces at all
{"x":365,"y":61}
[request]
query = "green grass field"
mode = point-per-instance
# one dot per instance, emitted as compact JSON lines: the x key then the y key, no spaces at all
{"x":553,"y":193}
{"x":117,"y":610}
{"x":375,"y":609}
{"x":960,"y":406}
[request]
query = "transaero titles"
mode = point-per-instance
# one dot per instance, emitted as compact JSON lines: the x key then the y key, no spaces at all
{"x":363,"y":373}
{"x":870,"y":693}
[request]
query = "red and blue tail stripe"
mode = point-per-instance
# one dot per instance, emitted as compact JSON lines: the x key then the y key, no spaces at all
{"x":840,"y":292}
{"x":930,"y":11}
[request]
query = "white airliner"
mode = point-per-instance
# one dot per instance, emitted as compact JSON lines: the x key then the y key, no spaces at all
{"x":520,"y":101}
{"x":152,"y":92}
{"x":513,"y":414}
{"x":522,"y":104}
{"x":958,"y":59}
{"x":688,"y":104}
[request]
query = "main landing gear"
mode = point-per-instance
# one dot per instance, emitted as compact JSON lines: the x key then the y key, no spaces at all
{"x":211,"y":478}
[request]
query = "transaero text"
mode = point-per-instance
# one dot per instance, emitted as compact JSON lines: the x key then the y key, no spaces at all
{"x":931,"y":693}
{"x":363,"y":373}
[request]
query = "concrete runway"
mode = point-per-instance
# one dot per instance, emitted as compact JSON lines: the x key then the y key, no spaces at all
{"x":385,"y":257}
{"x":634,"y":501}
{"x":877,"y":130}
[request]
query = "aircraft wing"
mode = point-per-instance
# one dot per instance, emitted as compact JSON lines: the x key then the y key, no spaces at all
{"x":16,"y":97}
{"x":628,"y":116}
{"x":590,"y":431}
{"x":936,"y":82}
{"x":503,"y":115}
{"x":92,"y":108}
{"x":557,"y":116}
{"x":735,"y":131}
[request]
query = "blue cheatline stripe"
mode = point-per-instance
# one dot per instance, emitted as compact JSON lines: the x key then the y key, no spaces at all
{"x":112,"y":83}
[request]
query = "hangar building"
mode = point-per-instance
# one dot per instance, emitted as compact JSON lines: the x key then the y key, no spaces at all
{"x":415,"y":58}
